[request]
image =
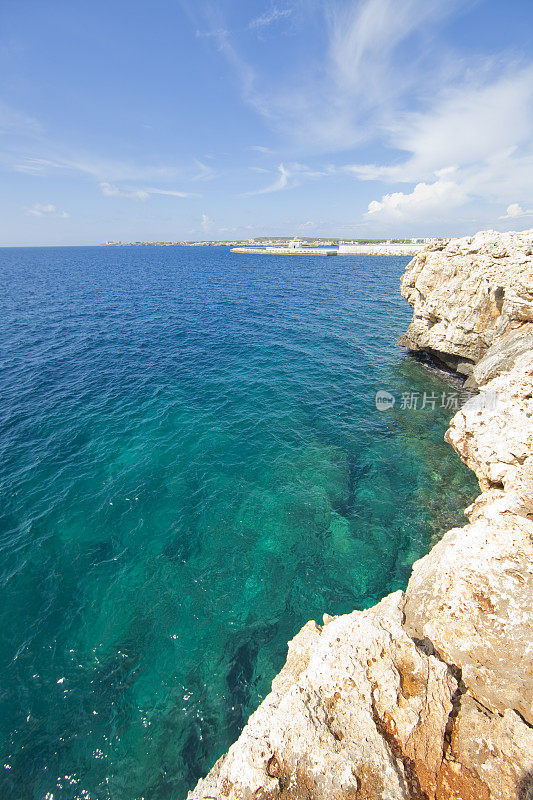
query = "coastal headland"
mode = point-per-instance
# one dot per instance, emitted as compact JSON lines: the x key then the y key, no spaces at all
{"x":429,"y":694}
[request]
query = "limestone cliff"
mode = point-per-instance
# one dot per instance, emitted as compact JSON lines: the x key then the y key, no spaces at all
{"x":429,"y":695}
{"x":466,"y":293}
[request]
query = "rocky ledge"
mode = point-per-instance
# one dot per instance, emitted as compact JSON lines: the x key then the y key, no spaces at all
{"x":429,"y":694}
{"x":466,"y":293}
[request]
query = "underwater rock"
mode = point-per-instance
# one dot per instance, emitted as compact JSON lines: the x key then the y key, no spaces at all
{"x":358,"y":710}
{"x":428,"y":695}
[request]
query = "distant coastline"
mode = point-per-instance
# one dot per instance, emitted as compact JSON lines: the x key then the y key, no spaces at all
{"x":286,"y":246}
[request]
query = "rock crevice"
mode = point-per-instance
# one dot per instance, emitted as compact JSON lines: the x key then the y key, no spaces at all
{"x":429,"y":694}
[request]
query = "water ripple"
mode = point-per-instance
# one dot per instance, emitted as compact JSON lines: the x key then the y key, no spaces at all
{"x":192,"y":466}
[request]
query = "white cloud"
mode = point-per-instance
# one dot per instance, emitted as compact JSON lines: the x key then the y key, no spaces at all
{"x":361,"y":79}
{"x":205,"y":171}
{"x":421,"y":203}
{"x":288,"y":177}
{"x":363,"y":38}
{"x":102,"y":169}
{"x":275,"y":14}
{"x":383,"y":59}
{"x":470,"y":139}
{"x":32,"y":166}
{"x":466,"y":124}
{"x":218,"y":32}
{"x":110,"y":172}
{"x":45,"y":210}
{"x":515,"y":210}
{"x":481,"y":132}
{"x":169,"y":192}
{"x":109,"y":190}
{"x":14,"y":121}
{"x":276,"y":186}
{"x":260,"y":149}
{"x":206,"y":224}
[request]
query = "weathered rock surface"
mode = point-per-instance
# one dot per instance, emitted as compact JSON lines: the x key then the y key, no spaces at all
{"x":471,"y":597}
{"x":468,"y":293}
{"x":502,"y":355}
{"x":493,"y":434}
{"x":487,"y":756}
{"x":358,"y":710}
{"x":428,"y":695}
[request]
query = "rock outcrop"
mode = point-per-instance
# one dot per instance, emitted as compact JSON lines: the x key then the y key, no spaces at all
{"x":429,"y":694}
{"x":467,"y":293}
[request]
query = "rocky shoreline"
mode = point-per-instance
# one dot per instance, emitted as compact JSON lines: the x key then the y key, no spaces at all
{"x":429,"y":694}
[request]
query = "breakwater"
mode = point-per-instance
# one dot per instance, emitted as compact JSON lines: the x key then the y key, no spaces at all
{"x":380,"y":249}
{"x":287,"y":251}
{"x":341,"y":250}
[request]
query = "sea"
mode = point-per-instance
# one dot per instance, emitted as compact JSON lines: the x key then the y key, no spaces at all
{"x":193,"y":464}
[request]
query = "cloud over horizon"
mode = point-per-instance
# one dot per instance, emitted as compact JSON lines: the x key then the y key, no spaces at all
{"x":45,"y":210}
{"x":372,"y":116}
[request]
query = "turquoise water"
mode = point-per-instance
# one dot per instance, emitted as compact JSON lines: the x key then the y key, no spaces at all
{"x":192,"y":466}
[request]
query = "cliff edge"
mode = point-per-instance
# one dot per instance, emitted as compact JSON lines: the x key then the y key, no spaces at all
{"x":429,"y":694}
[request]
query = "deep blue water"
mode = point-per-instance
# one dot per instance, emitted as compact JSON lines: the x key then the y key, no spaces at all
{"x":192,"y":466}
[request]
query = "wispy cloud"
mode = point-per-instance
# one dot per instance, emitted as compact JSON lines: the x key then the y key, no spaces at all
{"x":13,"y":120}
{"x":364,"y":38}
{"x":206,"y":224}
{"x":359,"y":85}
{"x":31,"y":166}
{"x":102,"y":169}
{"x":281,"y":182}
{"x":288,"y":176}
{"x":46,"y":210}
{"x":219,"y":33}
{"x":457,"y":137}
{"x":459,"y":127}
{"x":205,"y":171}
{"x":274,"y":14}
{"x":260,"y":149}
{"x":170,"y":192}
{"x":109,"y":190}
{"x":114,"y":177}
{"x":436,"y":128}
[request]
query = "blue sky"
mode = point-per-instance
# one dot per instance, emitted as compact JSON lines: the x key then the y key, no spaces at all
{"x":189,"y":119}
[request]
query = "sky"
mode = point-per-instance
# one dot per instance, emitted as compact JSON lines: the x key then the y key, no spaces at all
{"x":192,"y":119}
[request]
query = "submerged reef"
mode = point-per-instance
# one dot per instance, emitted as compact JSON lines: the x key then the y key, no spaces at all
{"x":428,"y":695}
